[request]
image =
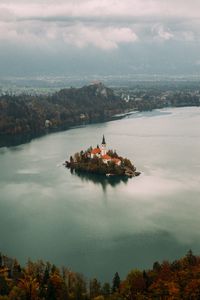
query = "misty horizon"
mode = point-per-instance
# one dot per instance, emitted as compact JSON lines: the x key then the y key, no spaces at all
{"x":99,"y":37}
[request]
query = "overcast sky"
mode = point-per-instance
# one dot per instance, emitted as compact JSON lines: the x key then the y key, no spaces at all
{"x":99,"y":36}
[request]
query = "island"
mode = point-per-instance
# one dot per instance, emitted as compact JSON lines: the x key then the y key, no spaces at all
{"x":101,"y":161}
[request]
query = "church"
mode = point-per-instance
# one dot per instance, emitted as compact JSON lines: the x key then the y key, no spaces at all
{"x":101,"y":152}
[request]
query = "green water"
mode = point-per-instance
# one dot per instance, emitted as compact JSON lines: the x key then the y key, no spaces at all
{"x":96,"y":227}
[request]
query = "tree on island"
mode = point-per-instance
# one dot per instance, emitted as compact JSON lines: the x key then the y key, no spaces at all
{"x":83,"y":162}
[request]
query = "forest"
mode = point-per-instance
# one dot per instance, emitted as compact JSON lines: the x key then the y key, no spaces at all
{"x":35,"y":115}
{"x":41,"y":280}
{"x":28,"y":114}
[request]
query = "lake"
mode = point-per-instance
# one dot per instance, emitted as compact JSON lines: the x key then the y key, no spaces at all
{"x":99,"y":227}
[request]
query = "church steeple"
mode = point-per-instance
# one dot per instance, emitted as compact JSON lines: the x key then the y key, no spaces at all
{"x":103,"y":147}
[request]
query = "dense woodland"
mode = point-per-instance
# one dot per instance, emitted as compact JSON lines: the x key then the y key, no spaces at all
{"x":44,"y":281}
{"x":24,"y":114}
{"x":34,"y":115}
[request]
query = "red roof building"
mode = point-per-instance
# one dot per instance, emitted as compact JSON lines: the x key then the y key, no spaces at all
{"x":96,"y":151}
{"x":106,"y":157}
{"x":102,"y":153}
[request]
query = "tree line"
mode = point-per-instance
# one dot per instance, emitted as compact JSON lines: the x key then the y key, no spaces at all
{"x":27,"y":114}
{"x":22,"y":114}
{"x":44,"y":281}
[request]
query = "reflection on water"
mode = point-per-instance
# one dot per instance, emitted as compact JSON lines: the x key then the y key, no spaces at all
{"x":9,"y":141}
{"x":100,"y":179}
{"x":15,"y":140}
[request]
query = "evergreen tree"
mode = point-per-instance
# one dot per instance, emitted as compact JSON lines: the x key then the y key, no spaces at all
{"x":51,"y":291}
{"x":156,"y":266}
{"x":44,"y":286}
{"x":116,"y":282}
{"x":191,"y":258}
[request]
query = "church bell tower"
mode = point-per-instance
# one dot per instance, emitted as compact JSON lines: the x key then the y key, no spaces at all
{"x":103,"y":146}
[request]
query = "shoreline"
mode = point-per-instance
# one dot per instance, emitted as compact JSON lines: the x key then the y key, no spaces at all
{"x":13,"y":140}
{"x":20,"y":139}
{"x":74,"y":168}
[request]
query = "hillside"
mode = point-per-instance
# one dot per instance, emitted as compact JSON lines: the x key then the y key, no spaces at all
{"x":26,"y":114}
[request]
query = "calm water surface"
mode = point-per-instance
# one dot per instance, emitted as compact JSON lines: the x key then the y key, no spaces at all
{"x":91,"y":225}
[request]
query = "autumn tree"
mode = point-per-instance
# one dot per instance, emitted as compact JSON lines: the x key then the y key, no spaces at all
{"x":162,"y":289}
{"x":95,"y":288}
{"x":29,"y":286}
{"x":56,"y":288}
{"x":80,"y":290}
{"x":192,"y":290}
{"x":134,"y":285}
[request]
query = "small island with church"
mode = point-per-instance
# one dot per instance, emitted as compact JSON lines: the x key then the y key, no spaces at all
{"x":101,"y":161}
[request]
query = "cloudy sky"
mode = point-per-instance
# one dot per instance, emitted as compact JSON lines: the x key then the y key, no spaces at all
{"x":99,"y":36}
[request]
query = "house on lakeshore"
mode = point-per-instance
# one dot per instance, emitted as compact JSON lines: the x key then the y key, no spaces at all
{"x":101,"y":152}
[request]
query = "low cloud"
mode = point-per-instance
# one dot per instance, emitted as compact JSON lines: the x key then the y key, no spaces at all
{"x":140,"y":30}
{"x":104,"y":24}
{"x":160,"y":33}
{"x":173,"y":8}
{"x":104,"y":38}
{"x":79,"y":35}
